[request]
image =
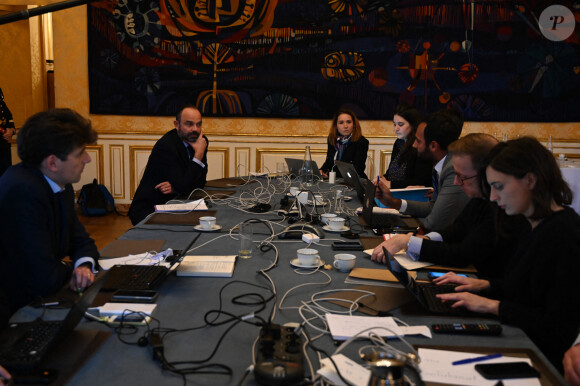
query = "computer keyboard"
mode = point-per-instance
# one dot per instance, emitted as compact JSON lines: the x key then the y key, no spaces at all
{"x":429,"y":292}
{"x":32,"y":344}
{"x":134,"y":277}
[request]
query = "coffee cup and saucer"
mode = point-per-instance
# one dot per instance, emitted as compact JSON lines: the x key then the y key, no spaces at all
{"x":207,"y":224}
{"x":344,"y":262}
{"x":335,"y":224}
{"x":307,"y":258}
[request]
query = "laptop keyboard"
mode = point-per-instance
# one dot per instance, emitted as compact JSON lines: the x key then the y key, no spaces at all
{"x":435,"y":304}
{"x":32,"y":344}
{"x":134,"y":277}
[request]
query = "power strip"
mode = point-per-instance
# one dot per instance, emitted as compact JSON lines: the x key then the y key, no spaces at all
{"x":280,"y":359}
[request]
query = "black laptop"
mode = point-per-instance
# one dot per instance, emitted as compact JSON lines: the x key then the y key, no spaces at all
{"x":351,"y":178}
{"x":142,"y":277}
{"x":24,"y":345}
{"x":389,"y":219}
{"x":295,"y":164}
{"x":425,"y":293}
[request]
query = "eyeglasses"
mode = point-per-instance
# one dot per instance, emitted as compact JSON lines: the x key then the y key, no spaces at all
{"x":462,"y":179}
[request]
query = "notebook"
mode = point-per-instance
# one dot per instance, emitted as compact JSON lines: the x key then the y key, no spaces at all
{"x":351,"y":178}
{"x":142,"y":277}
{"x":24,"y":345}
{"x":295,"y":164}
{"x":425,"y":293}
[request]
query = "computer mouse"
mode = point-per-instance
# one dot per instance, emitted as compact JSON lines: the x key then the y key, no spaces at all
{"x":295,"y":231}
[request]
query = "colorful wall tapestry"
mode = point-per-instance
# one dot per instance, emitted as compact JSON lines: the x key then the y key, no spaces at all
{"x":307,"y":58}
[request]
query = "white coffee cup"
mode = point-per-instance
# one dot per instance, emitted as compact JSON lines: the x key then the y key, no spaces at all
{"x":207,"y":222}
{"x":318,"y":199}
{"x":336,"y":223}
{"x":324,"y":217}
{"x":344,"y":261}
{"x":307,"y":256}
{"x":294,"y":190}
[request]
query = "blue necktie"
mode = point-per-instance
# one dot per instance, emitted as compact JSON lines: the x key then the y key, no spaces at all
{"x":435,"y":179}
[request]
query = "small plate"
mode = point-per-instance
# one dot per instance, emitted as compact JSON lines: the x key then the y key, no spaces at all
{"x":347,"y":198}
{"x":296,"y":264}
{"x":212,"y":229}
{"x":329,"y":229}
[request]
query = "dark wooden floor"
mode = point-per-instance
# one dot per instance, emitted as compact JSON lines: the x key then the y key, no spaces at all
{"x":106,"y":228}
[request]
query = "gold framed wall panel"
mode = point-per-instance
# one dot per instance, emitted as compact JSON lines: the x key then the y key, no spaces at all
{"x":93,"y":169}
{"x":242,"y":159}
{"x":138,"y":157}
{"x":117,"y":170}
{"x":218,"y":162}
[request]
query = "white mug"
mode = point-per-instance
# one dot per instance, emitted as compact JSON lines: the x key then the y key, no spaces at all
{"x":207,"y":222}
{"x":307,"y":256}
{"x":344,"y":261}
{"x":336,"y":223}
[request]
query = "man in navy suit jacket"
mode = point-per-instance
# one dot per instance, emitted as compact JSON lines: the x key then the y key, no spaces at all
{"x":39,"y":224}
{"x":177,"y":165}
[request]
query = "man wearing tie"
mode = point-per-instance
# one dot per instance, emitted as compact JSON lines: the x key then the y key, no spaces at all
{"x":39,"y":226}
{"x":177,"y":165}
{"x":447,"y":201}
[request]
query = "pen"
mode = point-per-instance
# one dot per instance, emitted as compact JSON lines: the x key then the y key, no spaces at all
{"x":476,"y":359}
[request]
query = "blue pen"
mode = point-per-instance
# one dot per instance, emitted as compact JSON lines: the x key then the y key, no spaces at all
{"x":476,"y":359}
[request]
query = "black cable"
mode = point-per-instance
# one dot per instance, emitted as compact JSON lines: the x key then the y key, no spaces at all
{"x":309,"y":342}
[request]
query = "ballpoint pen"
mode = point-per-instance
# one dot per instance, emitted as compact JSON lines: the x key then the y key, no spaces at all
{"x":476,"y":359}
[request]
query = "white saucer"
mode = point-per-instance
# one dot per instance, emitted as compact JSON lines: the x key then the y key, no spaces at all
{"x":329,"y":229}
{"x":212,"y":229}
{"x":296,"y":264}
{"x":347,"y":198}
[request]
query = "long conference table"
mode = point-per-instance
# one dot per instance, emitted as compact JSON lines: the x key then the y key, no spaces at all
{"x":183,"y":303}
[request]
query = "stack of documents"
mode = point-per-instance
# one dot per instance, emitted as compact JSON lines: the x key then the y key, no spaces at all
{"x":212,"y":266}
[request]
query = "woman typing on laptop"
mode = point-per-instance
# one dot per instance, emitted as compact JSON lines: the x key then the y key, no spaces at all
{"x":539,"y":292}
{"x":345,"y":143}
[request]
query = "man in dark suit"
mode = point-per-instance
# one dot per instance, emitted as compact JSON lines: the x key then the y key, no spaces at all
{"x":39,"y":226}
{"x":177,"y":165}
{"x":431,"y":141}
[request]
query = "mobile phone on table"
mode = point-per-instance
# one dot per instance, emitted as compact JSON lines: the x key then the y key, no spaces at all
{"x":507,"y":370}
{"x":347,"y":246}
{"x":134,"y":296}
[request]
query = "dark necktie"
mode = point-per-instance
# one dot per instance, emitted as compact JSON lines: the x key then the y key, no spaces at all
{"x":190,"y":151}
{"x":62,"y":224}
{"x":435,"y":178}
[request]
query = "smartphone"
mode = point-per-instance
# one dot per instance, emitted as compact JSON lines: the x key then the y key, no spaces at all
{"x":134,"y":296}
{"x":347,"y":246}
{"x":507,"y":370}
{"x":433,"y":274}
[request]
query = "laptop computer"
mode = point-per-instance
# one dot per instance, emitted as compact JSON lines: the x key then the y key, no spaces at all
{"x":295,"y":164}
{"x":425,"y":293}
{"x":380,"y":220}
{"x":143,"y":277}
{"x":351,"y":178}
{"x":24,"y":345}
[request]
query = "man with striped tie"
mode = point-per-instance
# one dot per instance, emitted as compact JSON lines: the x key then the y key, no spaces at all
{"x":431,"y":141}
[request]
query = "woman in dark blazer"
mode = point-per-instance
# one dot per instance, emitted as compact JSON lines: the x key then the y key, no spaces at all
{"x":346,"y":143}
{"x":406,"y":168}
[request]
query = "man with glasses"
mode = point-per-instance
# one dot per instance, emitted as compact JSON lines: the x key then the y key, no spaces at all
{"x":471,"y":239}
{"x":177,"y":165}
{"x":431,"y":141}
